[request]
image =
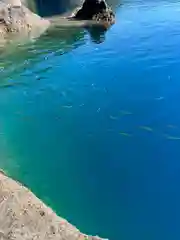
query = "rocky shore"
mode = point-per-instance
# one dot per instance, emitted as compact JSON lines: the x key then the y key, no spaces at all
{"x":19,"y":22}
{"x":25,"y":217}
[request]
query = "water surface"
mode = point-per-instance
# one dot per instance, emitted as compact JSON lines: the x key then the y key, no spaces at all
{"x":94,"y":129}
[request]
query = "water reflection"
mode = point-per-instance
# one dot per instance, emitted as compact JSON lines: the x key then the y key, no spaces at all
{"x":97,"y":34}
{"x":15,"y":59}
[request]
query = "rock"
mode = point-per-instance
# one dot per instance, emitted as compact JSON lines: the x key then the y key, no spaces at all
{"x":96,"y":10}
{"x":23,"y":216}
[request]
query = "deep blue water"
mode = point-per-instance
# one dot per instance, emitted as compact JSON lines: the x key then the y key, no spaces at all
{"x":94,"y":129}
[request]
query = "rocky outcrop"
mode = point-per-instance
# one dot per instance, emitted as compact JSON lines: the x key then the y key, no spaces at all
{"x":24,"y":217}
{"x":96,"y":10}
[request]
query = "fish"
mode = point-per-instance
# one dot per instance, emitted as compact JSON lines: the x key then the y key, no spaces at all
{"x":81,"y":105}
{"x":159,"y":98}
{"x":149,"y":129}
{"x":44,"y":70}
{"x":125,"y":112}
{"x":12,"y":84}
{"x":171,"y":126}
{"x":38,"y":78}
{"x":125,"y":134}
{"x":172,"y":137}
{"x":113,"y":117}
{"x":63,"y":94}
{"x":105,"y":90}
{"x":98,"y":110}
{"x":67,"y":106}
{"x":169,"y":78}
{"x":58,"y":118}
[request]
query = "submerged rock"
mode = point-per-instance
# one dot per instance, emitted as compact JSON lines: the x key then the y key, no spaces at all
{"x":24,"y":217}
{"x":96,"y":10}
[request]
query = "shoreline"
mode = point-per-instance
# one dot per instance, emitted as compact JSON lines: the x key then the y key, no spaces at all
{"x":24,"y":216}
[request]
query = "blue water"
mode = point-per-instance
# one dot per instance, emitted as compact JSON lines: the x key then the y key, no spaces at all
{"x":94,"y":129}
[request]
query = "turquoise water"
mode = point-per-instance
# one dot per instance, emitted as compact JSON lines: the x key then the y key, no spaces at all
{"x":94,"y":129}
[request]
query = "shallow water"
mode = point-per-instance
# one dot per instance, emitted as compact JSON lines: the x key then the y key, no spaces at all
{"x":94,"y":129}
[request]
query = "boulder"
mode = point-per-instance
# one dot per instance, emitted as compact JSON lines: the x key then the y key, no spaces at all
{"x":96,"y":10}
